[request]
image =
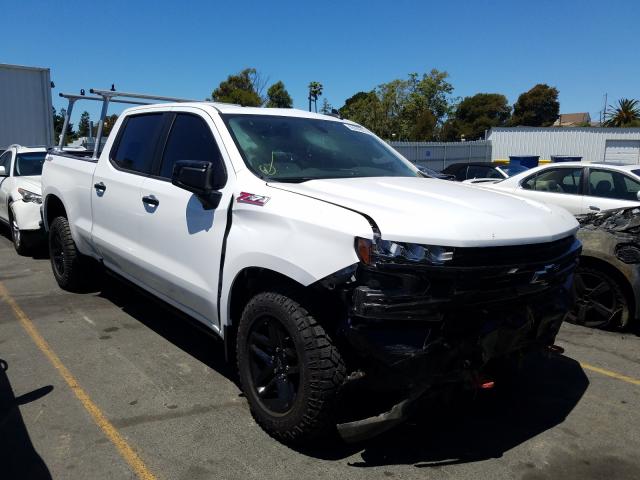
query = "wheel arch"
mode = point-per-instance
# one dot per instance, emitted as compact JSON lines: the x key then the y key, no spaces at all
{"x":53,"y":207}
{"x":248,"y":282}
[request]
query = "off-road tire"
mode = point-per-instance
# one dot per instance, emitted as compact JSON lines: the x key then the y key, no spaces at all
{"x":66,"y":261}
{"x":322,"y":370}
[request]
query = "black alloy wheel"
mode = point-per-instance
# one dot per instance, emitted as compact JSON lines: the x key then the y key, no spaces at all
{"x":600,"y":300}
{"x":274,"y":365}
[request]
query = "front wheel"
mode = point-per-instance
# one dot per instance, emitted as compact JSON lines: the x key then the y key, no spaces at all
{"x":65,"y":257}
{"x":600,"y":300}
{"x":18,"y":238}
{"x":289,"y":368}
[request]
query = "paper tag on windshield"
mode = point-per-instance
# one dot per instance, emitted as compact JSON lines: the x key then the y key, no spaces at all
{"x":355,"y":128}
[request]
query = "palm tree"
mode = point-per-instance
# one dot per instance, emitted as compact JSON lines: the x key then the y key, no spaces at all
{"x":626,"y":114}
{"x":315,"y":90}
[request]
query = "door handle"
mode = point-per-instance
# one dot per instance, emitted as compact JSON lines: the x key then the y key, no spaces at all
{"x":591,"y":207}
{"x":150,"y":200}
{"x":100,"y":187}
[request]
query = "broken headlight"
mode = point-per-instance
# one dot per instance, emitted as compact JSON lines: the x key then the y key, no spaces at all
{"x":28,"y":196}
{"x":372,"y":252}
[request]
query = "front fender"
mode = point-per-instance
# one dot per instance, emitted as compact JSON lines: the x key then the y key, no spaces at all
{"x":26,"y":214}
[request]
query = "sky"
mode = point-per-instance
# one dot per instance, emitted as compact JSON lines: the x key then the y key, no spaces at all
{"x":186,"y":48}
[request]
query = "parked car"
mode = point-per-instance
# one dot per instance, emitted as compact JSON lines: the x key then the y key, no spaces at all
{"x":607,"y":280}
{"x":580,"y":188}
{"x":476,"y":170}
{"x":319,"y":254}
{"x":20,"y":170}
{"x":429,"y":172}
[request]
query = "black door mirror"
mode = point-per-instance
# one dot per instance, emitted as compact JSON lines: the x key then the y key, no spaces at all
{"x":197,"y":177}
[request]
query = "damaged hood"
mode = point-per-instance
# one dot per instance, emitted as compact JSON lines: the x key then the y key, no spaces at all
{"x":437,"y":212}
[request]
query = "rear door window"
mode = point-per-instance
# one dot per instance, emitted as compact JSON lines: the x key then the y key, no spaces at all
{"x":191,"y":138}
{"x":137,"y":142}
{"x":611,"y":184}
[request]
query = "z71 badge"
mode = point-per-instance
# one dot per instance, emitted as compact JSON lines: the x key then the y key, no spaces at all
{"x":252,"y":199}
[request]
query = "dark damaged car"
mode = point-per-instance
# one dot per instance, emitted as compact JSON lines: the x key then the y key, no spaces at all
{"x":607,"y":280}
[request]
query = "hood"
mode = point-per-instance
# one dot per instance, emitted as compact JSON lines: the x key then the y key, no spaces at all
{"x":436,"y":212}
{"x":31,"y":183}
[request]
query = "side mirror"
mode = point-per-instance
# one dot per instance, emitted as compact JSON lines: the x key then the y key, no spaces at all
{"x":198,"y":177}
{"x":3,"y":171}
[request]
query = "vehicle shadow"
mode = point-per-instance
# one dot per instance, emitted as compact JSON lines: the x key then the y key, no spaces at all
{"x":451,"y":431}
{"x":18,"y":457}
{"x":184,"y":332}
{"x":480,"y":427}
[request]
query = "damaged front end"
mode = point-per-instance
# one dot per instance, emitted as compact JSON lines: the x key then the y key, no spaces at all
{"x":423,"y":317}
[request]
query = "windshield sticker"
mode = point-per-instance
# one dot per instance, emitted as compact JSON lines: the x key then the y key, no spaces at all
{"x":252,"y":199}
{"x":355,"y":128}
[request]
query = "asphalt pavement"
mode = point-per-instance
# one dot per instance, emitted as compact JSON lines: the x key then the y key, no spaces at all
{"x":112,"y":384}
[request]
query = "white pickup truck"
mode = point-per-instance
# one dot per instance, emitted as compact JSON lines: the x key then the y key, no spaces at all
{"x":319,"y":254}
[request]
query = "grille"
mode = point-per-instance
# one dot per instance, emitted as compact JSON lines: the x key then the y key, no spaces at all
{"x":511,"y":255}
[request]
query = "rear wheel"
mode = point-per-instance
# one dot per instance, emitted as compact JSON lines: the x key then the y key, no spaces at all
{"x":65,"y":258}
{"x":289,"y":368}
{"x":600,"y":300}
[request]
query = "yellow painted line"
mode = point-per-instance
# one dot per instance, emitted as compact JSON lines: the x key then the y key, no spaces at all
{"x":128,"y":453}
{"x":609,"y":373}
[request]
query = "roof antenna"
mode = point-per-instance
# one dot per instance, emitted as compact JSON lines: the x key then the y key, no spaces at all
{"x":113,"y":87}
{"x":82,"y":91}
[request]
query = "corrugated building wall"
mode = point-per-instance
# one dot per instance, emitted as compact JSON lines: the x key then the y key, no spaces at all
{"x":593,"y":144}
{"x":25,"y":106}
{"x":438,"y":155}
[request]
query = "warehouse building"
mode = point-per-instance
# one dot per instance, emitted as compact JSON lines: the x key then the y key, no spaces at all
{"x":592,"y":144}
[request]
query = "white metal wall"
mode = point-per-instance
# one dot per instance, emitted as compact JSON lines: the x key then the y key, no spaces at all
{"x":25,"y":106}
{"x":589,"y":143}
{"x":438,"y":155}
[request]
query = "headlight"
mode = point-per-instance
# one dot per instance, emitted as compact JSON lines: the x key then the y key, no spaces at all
{"x":28,"y":196}
{"x":385,"y":251}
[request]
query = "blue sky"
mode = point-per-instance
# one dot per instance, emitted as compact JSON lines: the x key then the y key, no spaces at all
{"x":584,"y":48}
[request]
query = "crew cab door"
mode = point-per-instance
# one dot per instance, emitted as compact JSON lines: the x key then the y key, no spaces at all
{"x":181,"y":239}
{"x":116,"y":204}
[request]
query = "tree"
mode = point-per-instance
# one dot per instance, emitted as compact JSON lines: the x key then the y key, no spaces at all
{"x":539,"y":107}
{"x":243,"y":88}
{"x":315,"y":90}
{"x":411,"y":109}
{"x":84,"y":124}
{"x":626,"y":114}
{"x":58,"y":123}
{"x":109,"y":122}
{"x":474,"y":115}
{"x":326,"y":107}
{"x":278,"y":97}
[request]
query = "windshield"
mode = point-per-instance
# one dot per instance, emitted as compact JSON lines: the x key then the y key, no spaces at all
{"x":29,"y":164}
{"x":290,"y":149}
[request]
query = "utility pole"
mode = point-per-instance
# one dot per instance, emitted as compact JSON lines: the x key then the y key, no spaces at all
{"x":603,"y":117}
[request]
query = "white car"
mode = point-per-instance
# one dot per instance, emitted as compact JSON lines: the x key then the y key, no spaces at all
{"x":578,"y":187}
{"x":316,"y":252}
{"x":20,"y":200}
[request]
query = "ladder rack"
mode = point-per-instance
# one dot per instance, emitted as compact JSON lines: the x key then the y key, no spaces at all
{"x":106,"y":97}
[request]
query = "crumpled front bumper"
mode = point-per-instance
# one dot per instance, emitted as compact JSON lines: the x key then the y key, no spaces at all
{"x":439,"y":325}
{"x":27,"y":214}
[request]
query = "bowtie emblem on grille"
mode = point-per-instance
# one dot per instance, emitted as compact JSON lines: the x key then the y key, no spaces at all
{"x":542,"y":276}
